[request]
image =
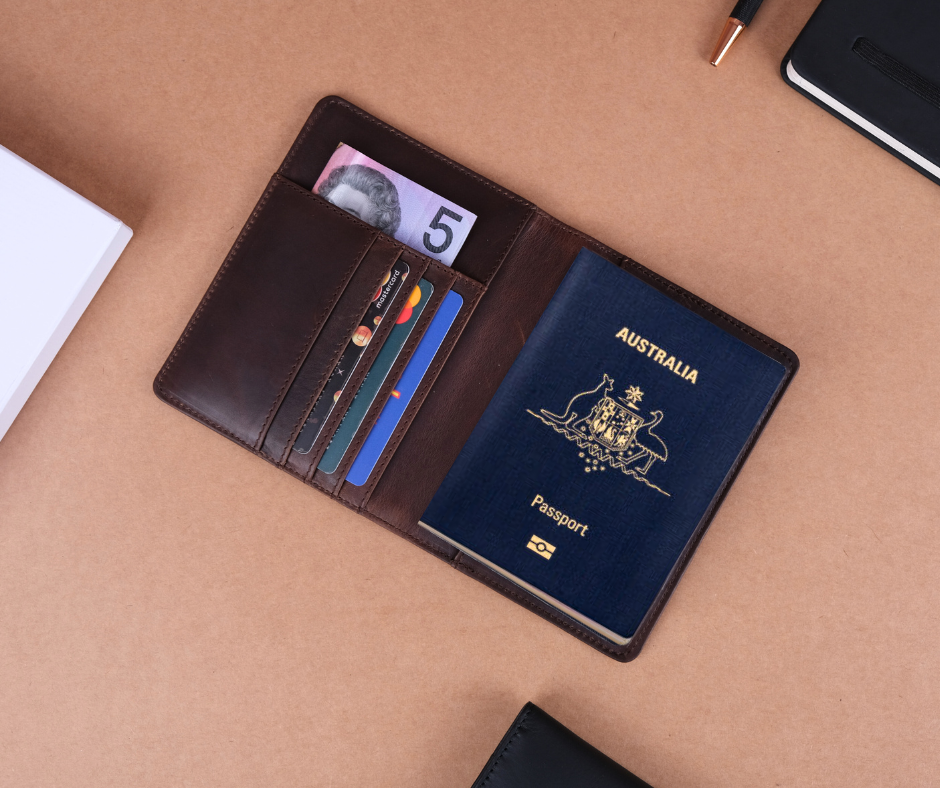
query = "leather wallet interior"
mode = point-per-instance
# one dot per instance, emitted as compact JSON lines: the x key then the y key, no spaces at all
{"x":273,"y":324}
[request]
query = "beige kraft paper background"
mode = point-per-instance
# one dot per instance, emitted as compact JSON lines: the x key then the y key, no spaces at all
{"x":175,"y":611}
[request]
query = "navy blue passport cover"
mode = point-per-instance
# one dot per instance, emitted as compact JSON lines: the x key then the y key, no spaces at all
{"x":605,"y":446}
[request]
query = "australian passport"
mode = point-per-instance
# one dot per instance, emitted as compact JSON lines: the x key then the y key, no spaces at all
{"x":607,"y":448}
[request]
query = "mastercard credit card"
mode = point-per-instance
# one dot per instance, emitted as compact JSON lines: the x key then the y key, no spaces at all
{"x":343,"y":371}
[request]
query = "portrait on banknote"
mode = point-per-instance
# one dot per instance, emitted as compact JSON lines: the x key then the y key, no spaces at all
{"x":364,"y":192}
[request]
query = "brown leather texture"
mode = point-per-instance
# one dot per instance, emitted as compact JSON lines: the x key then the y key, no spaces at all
{"x":275,"y":320}
{"x":323,"y":356}
{"x":263,"y":312}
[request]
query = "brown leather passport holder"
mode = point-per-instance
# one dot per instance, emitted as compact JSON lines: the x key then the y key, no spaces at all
{"x":271,"y":327}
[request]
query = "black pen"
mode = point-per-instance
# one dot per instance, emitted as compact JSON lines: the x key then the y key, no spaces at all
{"x":741,"y":16}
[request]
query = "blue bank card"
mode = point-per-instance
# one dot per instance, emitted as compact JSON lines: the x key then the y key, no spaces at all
{"x":411,"y":378}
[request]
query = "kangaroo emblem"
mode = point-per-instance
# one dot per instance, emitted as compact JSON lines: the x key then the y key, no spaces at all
{"x":610,"y":431}
{"x":607,"y":384}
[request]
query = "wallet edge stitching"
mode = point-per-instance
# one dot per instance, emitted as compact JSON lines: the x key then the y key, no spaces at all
{"x":207,"y":297}
{"x":322,"y":380}
{"x":504,"y":749}
{"x":311,"y":337}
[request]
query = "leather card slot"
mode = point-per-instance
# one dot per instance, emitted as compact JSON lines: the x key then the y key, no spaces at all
{"x":358,"y":496}
{"x":265,"y":309}
{"x":312,"y":458}
{"x":500,"y":213}
{"x":441,"y":278}
{"x":309,"y":386}
{"x":329,"y":346}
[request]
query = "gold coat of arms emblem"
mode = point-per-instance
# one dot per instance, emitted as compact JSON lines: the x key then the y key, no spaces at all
{"x":611,"y":431}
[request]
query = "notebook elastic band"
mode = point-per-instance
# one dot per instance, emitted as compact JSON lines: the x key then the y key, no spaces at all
{"x":896,"y":70}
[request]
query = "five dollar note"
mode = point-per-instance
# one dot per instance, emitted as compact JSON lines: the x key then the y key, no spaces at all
{"x":392,"y":203}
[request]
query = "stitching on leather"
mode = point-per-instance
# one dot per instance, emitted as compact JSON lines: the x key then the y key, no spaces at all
{"x":584,"y":236}
{"x":384,"y":523}
{"x":216,"y":281}
{"x":321,"y":381}
{"x":626,"y":261}
{"x":311,"y":122}
{"x":417,"y":334}
{"x":468,"y":281}
{"x":315,"y":331}
{"x":506,"y":747}
{"x":512,"y":242}
{"x":417,"y":402}
{"x":198,"y":416}
{"x":366,"y":116}
{"x":368,"y":358}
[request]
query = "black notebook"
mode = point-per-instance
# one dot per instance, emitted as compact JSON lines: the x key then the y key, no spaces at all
{"x":875,"y":64}
{"x":539,"y":752}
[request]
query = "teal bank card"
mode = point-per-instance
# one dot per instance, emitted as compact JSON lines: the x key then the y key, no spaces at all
{"x":376,"y":377}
